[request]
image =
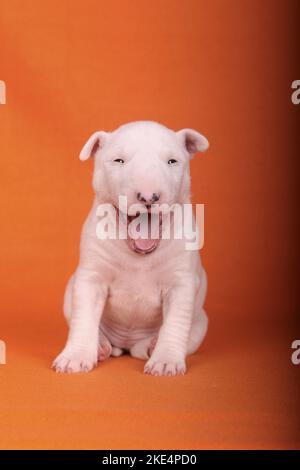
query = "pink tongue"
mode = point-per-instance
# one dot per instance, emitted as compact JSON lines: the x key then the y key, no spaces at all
{"x":144,"y":244}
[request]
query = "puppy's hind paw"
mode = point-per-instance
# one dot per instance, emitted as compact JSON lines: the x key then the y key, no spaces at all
{"x":104,"y":350}
{"x":144,"y":348}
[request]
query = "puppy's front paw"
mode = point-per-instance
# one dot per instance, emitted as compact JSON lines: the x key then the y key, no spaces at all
{"x":70,"y":361}
{"x":165,"y":366}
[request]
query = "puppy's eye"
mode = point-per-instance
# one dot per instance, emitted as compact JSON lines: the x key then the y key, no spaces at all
{"x":119,"y":160}
{"x":172,"y":161}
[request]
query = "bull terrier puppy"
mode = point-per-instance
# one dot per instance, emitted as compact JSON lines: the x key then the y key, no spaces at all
{"x":143,"y":295}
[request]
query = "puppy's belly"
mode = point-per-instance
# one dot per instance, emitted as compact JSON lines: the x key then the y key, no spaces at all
{"x":131,"y":314}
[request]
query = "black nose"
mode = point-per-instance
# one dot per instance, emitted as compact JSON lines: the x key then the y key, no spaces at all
{"x":148,"y":199}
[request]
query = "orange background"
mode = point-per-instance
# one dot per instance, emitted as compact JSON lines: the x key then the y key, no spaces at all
{"x":224,"y":68}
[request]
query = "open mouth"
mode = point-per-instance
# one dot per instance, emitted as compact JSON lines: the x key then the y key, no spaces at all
{"x":143,"y":230}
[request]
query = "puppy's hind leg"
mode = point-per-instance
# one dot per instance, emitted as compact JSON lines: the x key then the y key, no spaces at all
{"x":144,"y":348}
{"x":104,"y":348}
{"x":198,"y":331}
{"x":68,"y":300}
{"x":200,"y":320}
{"x":117,"y":352}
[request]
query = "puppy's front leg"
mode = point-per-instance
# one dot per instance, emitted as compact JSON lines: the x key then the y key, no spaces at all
{"x":168,"y":357}
{"x":88,"y":300}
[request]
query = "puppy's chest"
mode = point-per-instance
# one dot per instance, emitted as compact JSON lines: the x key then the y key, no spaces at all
{"x":134,"y":300}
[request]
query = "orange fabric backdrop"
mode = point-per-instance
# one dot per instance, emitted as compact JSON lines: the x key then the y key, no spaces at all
{"x":224,"y":68}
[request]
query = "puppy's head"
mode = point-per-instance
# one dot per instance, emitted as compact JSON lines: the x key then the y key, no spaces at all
{"x":147,"y":164}
{"x":144,"y":161}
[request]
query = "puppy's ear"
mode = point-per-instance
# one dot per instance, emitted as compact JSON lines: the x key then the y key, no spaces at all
{"x":192,"y":141}
{"x":95,"y":142}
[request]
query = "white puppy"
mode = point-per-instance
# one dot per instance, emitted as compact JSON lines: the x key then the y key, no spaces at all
{"x":142,"y":295}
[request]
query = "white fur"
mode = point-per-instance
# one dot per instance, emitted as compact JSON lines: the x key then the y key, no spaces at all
{"x":150,"y":305}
